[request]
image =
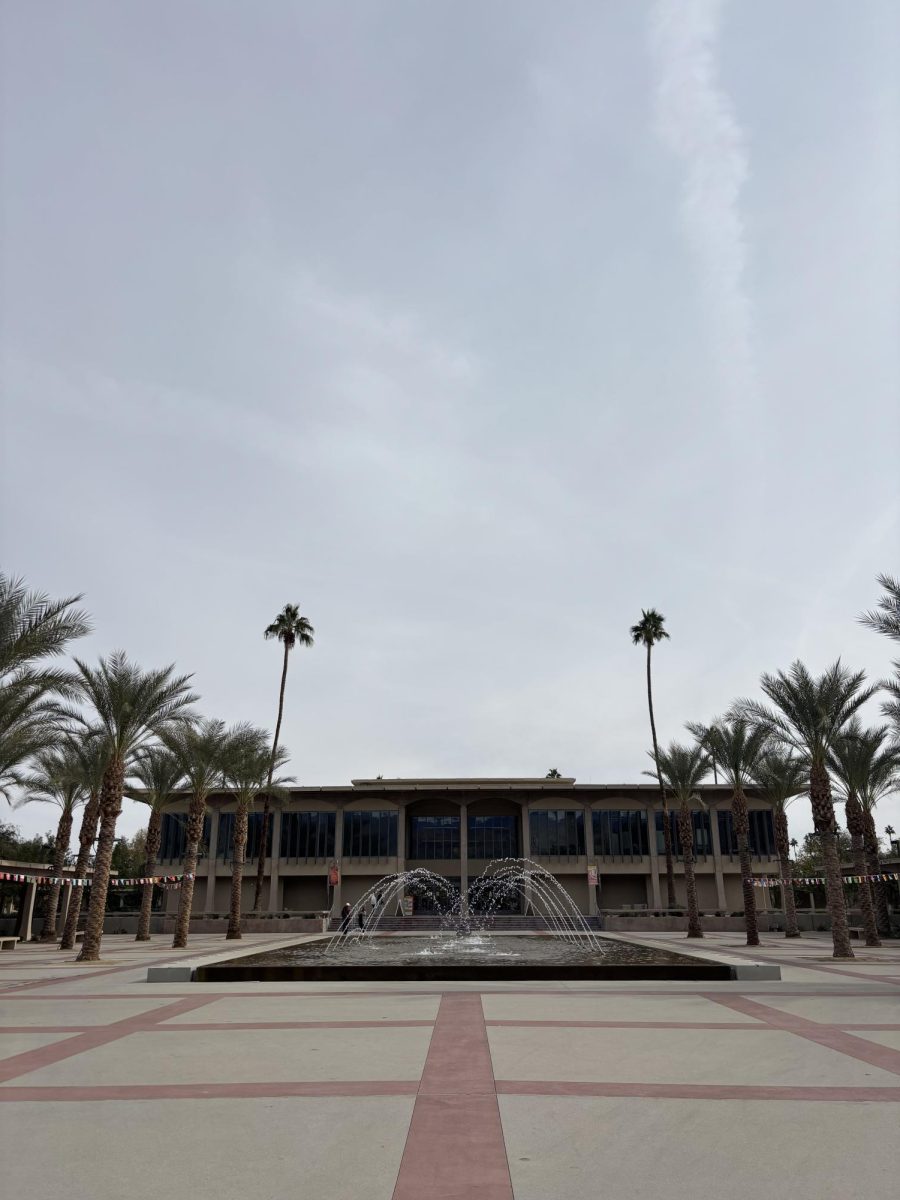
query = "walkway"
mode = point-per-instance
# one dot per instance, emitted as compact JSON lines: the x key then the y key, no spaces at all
{"x":111,"y":1086}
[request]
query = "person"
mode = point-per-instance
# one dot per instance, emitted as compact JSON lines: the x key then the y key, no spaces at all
{"x":361,"y":916}
{"x":345,"y":917}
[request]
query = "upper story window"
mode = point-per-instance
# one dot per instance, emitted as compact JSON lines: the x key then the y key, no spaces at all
{"x":761,"y":834}
{"x":225,"y":842}
{"x":493,"y":837}
{"x":173,"y":835}
{"x":307,"y":835}
{"x":620,"y":832}
{"x":557,"y":833}
{"x":702,"y":827}
{"x":370,"y":834}
{"x":433,"y":837}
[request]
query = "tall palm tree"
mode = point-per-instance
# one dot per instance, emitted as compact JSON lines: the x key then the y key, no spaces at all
{"x":34,"y":628}
{"x":248,"y":763}
{"x":55,"y":780}
{"x":158,"y":773}
{"x":291,"y":629}
{"x":682,"y":769}
{"x":130,"y":706}
{"x":647,"y":632}
{"x":807,"y":715}
{"x":854,"y":756}
{"x":199,"y":747}
{"x":885,"y":619}
{"x":781,"y":777}
{"x":883,"y":780}
{"x":735,"y":746}
{"x":92,"y":752}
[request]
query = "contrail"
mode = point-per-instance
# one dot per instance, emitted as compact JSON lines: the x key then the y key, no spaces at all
{"x":696,"y":122}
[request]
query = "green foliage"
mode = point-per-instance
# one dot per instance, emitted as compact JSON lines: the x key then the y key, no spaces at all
{"x":290,"y":628}
{"x":809,"y":860}
{"x":16,"y":848}
{"x":129,"y":855}
{"x":650,"y":629}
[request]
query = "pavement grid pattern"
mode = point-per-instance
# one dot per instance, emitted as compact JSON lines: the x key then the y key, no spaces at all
{"x":110,"y":1086}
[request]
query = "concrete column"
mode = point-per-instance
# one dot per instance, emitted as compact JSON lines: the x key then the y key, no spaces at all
{"x":591,"y":858}
{"x":525,"y":852}
{"x":464,"y":855}
{"x":66,"y":893}
{"x":401,"y":837}
{"x":27,"y":914}
{"x":212,"y":860}
{"x":337,"y":901}
{"x":717,"y":860}
{"x":274,"y":906}
{"x":655,"y":895}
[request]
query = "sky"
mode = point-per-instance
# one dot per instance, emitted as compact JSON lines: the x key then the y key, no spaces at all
{"x":473,"y":329}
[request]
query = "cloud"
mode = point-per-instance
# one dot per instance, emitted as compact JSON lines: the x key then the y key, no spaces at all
{"x":696,"y":122}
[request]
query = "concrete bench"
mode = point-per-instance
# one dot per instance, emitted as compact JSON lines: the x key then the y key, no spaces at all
{"x":8,"y":943}
{"x":857,"y":931}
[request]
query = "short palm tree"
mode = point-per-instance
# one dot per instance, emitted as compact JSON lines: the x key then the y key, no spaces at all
{"x":29,"y":722}
{"x":92,"y":753}
{"x":807,"y":715}
{"x":199,"y":748}
{"x":884,"y":780}
{"x":648,"y":632}
{"x":55,"y":779}
{"x":885,"y":619}
{"x":735,"y":746}
{"x":247,"y":759}
{"x":781,"y":777}
{"x":682,"y":769}
{"x":34,"y":628}
{"x":130,"y":706}
{"x":158,"y":773}
{"x":291,"y":629}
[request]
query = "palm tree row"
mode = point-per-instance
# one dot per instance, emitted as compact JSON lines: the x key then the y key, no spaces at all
{"x":806,"y":737}
{"x":91,"y":736}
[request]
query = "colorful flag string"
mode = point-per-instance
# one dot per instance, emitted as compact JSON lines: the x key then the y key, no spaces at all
{"x":76,"y":881}
{"x":819,"y":880}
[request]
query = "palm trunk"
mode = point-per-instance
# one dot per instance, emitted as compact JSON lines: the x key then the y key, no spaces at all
{"x":110,"y":807}
{"x":154,"y":838}
{"x":782,"y":841}
{"x":856,"y":829}
{"x":823,"y":820}
{"x":267,"y":800}
{"x":742,"y":833}
{"x":60,"y":850}
{"x":86,"y":835}
{"x":667,"y":830}
{"x":189,"y":870}
{"x":685,"y":828}
{"x":237,"y":869}
{"x":873,"y":864}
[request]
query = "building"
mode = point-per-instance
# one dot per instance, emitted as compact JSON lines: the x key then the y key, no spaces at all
{"x":455,"y":827}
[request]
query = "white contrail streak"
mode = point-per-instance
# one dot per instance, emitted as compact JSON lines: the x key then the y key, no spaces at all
{"x":696,"y":122}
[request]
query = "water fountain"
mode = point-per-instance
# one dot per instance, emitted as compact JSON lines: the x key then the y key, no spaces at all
{"x":466,"y":945}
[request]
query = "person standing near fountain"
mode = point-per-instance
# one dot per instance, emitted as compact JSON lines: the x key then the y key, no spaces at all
{"x":345,"y":917}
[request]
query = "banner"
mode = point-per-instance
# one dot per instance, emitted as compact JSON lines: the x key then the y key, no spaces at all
{"x":592,"y":876}
{"x":820,"y":881}
{"x":79,"y":881}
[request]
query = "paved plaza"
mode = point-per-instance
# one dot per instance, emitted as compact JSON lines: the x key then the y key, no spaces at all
{"x":112,"y":1086}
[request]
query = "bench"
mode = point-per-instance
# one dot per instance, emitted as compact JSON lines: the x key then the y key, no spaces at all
{"x":857,"y":931}
{"x":8,"y":943}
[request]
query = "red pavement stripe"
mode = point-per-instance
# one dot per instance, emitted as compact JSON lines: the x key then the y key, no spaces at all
{"x":455,"y":1146}
{"x":723,"y":1025}
{"x":694,"y":1091}
{"x":44,"y":1056}
{"x":228,"y":1026}
{"x":213,"y":1091}
{"x":872,"y":1053}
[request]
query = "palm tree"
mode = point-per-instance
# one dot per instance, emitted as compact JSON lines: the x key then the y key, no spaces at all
{"x":884,"y":779}
{"x":248,"y":760}
{"x":647,"y":632}
{"x":199,"y":747}
{"x":807,"y":716}
{"x":885,"y":619}
{"x":553,"y":774}
{"x":781,"y":777}
{"x":55,"y":779}
{"x":130,"y":706}
{"x":92,"y":751}
{"x":682,"y":769}
{"x":735,"y":746}
{"x":159,"y":773}
{"x":34,"y":628}
{"x":291,"y":629}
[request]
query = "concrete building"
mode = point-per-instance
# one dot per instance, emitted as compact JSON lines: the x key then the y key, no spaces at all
{"x":454,"y":827}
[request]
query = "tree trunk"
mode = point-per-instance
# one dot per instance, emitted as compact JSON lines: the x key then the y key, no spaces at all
{"x":873,"y":863}
{"x":686,"y":830}
{"x":60,"y":850}
{"x":237,"y":869}
{"x":823,"y":820}
{"x":782,"y":841}
{"x":667,"y":830}
{"x":189,"y":870}
{"x":110,"y":807}
{"x":154,"y":838}
{"x":856,"y":828}
{"x":86,"y":835}
{"x":267,"y":799}
{"x":742,"y":833}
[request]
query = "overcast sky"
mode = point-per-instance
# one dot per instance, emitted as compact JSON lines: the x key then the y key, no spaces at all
{"x":473,"y":328}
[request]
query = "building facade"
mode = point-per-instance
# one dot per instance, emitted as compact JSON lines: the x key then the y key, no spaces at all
{"x":358,"y":833}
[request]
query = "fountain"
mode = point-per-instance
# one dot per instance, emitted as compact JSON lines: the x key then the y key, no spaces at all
{"x":466,"y":945}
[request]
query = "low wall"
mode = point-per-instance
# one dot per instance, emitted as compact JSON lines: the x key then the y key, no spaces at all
{"x":165,"y":923}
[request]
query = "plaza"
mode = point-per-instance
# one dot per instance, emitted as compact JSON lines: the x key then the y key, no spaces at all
{"x":403,"y":1091}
